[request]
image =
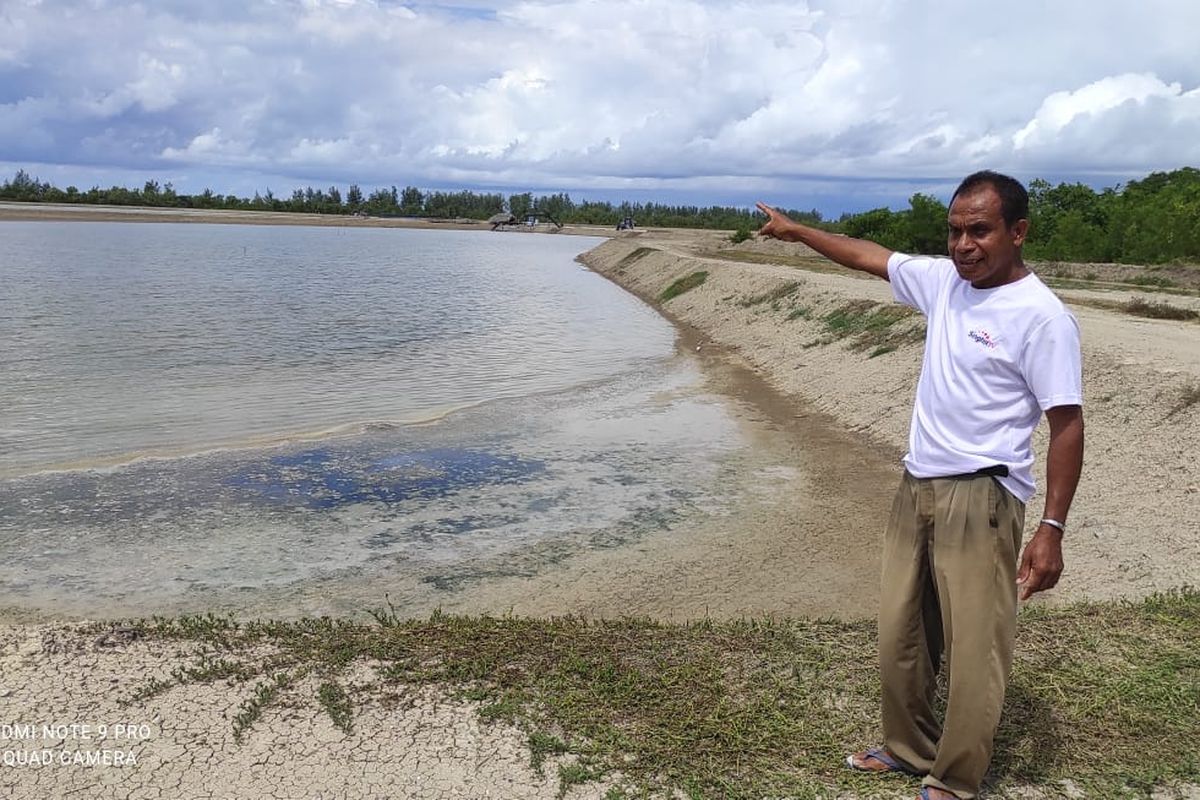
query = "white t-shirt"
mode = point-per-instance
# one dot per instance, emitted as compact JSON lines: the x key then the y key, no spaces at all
{"x":995,"y":359}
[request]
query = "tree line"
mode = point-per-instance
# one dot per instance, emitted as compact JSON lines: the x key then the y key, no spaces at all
{"x":1154,"y":220}
{"x":1148,"y":221}
{"x":392,"y":202}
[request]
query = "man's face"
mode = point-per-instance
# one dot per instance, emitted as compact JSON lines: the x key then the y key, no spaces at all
{"x":985,"y":250}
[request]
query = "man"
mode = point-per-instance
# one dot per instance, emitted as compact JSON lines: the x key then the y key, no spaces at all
{"x":1000,"y":350}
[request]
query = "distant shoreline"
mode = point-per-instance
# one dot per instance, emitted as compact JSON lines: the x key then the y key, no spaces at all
{"x":71,"y":212}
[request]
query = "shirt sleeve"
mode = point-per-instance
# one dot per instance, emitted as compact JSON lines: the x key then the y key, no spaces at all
{"x":914,"y":280}
{"x":1052,"y":364}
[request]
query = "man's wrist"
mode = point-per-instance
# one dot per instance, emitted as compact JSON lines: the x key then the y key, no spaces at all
{"x":1053,"y":524}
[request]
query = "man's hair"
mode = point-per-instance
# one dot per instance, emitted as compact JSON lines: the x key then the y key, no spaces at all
{"x":1014,"y":200}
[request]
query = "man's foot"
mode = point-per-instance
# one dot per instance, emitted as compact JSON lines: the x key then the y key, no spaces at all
{"x":877,"y":759}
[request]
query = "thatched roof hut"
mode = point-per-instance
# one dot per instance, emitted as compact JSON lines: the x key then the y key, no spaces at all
{"x":503,"y":218}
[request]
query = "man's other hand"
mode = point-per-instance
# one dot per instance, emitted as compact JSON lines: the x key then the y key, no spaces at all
{"x":1041,"y":563}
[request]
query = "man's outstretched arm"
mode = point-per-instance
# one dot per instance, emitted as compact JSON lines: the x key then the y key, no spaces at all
{"x":853,"y":253}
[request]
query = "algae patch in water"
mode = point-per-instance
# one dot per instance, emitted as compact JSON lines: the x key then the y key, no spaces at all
{"x":321,"y":478}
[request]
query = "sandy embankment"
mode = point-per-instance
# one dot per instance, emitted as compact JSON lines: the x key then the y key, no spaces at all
{"x":1135,"y":524}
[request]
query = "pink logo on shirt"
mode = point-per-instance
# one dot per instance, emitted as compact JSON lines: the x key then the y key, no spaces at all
{"x":984,"y":338}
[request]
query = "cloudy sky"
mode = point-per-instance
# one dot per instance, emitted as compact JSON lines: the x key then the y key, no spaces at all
{"x":834,"y":104}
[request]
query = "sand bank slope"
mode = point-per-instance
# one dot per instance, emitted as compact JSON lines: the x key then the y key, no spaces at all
{"x":827,"y":335}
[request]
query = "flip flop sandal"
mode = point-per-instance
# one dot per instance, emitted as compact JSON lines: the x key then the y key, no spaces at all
{"x":924,"y":794}
{"x":878,"y":754}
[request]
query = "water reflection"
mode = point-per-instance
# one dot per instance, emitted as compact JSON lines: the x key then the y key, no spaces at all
{"x":119,"y":341}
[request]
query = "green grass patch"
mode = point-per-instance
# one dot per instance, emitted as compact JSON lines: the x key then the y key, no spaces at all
{"x":1105,"y":694}
{"x":1159,"y":310}
{"x":740,"y":235}
{"x":799,"y":312}
{"x":266,"y":694}
{"x":337,"y":705}
{"x":634,"y":257}
{"x":542,"y":745}
{"x":1153,"y":280}
{"x":575,"y":774}
{"x":776,"y":294}
{"x":867,"y":324}
{"x":506,"y":707}
{"x":684,"y":284}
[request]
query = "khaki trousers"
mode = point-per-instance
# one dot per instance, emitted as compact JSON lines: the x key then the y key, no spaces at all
{"x":949,"y":587}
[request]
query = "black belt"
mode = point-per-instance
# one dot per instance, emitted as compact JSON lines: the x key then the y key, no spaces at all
{"x":994,"y":471}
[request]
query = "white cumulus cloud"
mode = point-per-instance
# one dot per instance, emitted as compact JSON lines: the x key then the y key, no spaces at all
{"x":1119,"y":121}
{"x":574,"y":94}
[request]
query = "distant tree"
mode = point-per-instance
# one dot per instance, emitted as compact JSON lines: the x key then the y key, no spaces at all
{"x":1074,"y":239}
{"x":556,"y":205}
{"x":380,"y":202}
{"x":412,"y":203}
{"x":597,"y":213}
{"x":879,"y":225}
{"x":520,"y":204}
{"x":21,"y":187}
{"x":120,"y":196}
{"x":354,"y":197}
{"x":925,"y":224}
{"x":1158,"y":218}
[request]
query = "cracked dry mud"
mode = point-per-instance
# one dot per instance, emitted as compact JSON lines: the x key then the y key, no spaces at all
{"x":424,"y":745}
